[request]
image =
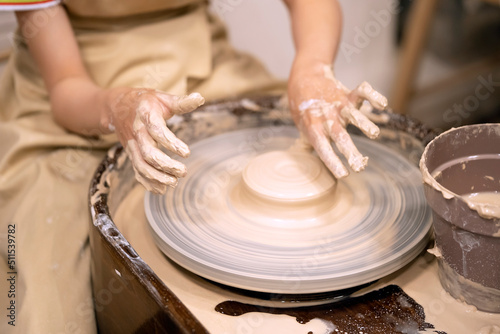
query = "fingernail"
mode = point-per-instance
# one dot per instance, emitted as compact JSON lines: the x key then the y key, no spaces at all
{"x":373,"y":132}
{"x":173,"y":184}
{"x":191,"y":102}
{"x":182,"y":149}
{"x":197,"y":97}
{"x":181,"y":170}
{"x":358,"y":163}
{"x":381,"y":100}
{"x":341,"y":173}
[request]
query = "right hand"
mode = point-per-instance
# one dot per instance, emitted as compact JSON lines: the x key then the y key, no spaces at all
{"x":138,"y":116}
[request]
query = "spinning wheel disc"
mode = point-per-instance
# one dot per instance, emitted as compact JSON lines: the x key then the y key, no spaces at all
{"x":371,"y":225}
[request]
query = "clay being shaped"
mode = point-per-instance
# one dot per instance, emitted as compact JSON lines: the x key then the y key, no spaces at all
{"x":288,"y":176}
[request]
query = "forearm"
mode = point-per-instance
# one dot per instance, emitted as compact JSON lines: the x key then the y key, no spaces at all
{"x":316,"y":29}
{"x":76,"y":101}
{"x":79,"y":106}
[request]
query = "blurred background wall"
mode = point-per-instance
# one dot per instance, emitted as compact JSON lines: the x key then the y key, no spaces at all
{"x":449,"y":49}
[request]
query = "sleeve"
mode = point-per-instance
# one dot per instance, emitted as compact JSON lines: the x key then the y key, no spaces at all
{"x":16,"y":5}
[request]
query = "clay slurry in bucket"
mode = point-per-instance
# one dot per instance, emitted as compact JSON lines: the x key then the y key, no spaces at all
{"x":461,"y":171}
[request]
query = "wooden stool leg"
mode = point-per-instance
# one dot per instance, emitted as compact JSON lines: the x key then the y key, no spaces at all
{"x":414,"y":42}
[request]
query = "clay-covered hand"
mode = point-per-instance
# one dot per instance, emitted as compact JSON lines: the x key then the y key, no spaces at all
{"x":138,"y":116}
{"x":322,"y":107}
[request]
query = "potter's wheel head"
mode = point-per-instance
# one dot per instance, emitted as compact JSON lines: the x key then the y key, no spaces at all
{"x":347,"y":233}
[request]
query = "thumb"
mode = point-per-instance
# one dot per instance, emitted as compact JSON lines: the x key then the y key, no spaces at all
{"x":183,"y":104}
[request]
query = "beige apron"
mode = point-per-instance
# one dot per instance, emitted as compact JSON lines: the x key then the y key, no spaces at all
{"x":45,"y":171}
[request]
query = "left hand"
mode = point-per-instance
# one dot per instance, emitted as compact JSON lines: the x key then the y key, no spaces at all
{"x":322,"y":107}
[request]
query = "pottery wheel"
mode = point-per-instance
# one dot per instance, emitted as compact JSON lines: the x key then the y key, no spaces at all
{"x":289,"y":227}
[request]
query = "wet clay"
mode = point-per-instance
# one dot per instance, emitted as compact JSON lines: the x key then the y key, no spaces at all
{"x":288,"y":176}
{"x":486,"y":202}
{"x":388,"y":310}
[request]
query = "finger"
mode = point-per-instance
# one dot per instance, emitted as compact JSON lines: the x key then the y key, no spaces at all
{"x":153,"y":179}
{"x":366,"y":91}
{"x":182,"y":104}
{"x":344,"y":143}
{"x":325,"y":152}
{"x":156,"y":126}
{"x":356,"y":118}
{"x":367,"y":110}
{"x":154,"y":187}
{"x":156,"y":158}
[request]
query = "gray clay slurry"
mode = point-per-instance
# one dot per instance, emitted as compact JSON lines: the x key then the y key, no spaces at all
{"x":386,"y":311}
